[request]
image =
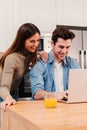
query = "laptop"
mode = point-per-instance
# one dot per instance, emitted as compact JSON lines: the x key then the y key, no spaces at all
{"x":77,"y":87}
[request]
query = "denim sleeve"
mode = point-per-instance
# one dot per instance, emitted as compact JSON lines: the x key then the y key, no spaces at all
{"x":74,"y":64}
{"x":36,"y":78}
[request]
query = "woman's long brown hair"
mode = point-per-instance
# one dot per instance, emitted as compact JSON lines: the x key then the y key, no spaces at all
{"x":26,"y":31}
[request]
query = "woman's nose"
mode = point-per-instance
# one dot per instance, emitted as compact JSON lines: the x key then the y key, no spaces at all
{"x":36,"y":44}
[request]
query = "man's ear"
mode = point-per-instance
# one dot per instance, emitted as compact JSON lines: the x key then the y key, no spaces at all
{"x":52,"y":43}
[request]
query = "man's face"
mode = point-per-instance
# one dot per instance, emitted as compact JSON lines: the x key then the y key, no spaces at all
{"x":61,"y":49}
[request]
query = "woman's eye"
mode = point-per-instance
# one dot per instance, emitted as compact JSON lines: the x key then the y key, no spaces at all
{"x":32,"y":41}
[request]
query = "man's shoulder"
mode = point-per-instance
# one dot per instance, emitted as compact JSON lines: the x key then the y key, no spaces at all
{"x":70,"y":59}
{"x":72,"y":62}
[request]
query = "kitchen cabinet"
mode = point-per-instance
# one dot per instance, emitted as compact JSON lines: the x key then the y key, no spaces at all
{"x":85,"y":12}
{"x":45,"y":14}
{"x":14,"y":13}
{"x":6,"y":24}
{"x":39,"y":12}
{"x":48,"y":13}
{"x":70,"y":12}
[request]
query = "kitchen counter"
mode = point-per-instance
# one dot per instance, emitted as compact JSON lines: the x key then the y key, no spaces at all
{"x":33,"y":115}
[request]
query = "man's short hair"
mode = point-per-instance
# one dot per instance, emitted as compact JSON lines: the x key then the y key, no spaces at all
{"x":62,"y":32}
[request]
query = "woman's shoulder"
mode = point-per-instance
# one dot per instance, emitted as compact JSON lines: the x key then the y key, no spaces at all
{"x":14,"y":58}
{"x":15,"y":55}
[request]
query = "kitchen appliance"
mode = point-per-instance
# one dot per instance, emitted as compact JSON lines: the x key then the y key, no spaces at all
{"x":79,"y":51}
{"x":78,"y":48}
{"x":45,"y":42}
{"x":83,"y":52}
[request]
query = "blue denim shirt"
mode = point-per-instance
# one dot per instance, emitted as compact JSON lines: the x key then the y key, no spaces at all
{"x":42,"y":74}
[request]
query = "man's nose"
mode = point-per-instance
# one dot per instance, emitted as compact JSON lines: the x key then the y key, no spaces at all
{"x":64,"y":50}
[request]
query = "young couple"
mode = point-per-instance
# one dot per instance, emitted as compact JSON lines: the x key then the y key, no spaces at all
{"x":49,"y":73}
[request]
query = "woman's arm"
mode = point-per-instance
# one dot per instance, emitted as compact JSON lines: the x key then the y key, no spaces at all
{"x":6,"y":82}
{"x":7,"y":102}
{"x":43,"y":55}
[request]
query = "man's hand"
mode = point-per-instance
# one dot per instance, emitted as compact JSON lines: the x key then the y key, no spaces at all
{"x":62,"y":95}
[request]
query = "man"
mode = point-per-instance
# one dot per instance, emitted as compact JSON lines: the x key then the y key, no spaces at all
{"x":52,"y":76}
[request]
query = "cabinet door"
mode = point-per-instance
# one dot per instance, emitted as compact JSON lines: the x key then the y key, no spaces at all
{"x":85,"y":12}
{"x":39,"y":12}
{"x":70,"y":12}
{"x":6,"y":24}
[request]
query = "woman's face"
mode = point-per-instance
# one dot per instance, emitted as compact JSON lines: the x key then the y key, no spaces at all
{"x":32,"y":43}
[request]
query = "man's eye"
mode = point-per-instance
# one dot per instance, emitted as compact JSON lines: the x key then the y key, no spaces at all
{"x":68,"y":47}
{"x":61,"y":47}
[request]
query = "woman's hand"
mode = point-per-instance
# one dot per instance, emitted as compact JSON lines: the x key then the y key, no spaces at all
{"x":43,"y":55}
{"x":7,"y":102}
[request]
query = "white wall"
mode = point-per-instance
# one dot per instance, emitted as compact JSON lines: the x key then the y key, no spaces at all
{"x":46,"y":14}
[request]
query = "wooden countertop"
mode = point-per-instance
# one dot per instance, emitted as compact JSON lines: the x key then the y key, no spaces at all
{"x":33,"y":115}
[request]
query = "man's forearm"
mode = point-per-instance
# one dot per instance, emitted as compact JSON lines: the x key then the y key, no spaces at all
{"x":40,"y":94}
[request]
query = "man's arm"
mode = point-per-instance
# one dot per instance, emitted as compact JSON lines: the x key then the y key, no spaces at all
{"x":37,"y":80}
{"x":40,"y":94}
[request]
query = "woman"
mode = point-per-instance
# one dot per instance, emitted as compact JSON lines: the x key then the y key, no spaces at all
{"x":16,"y":61}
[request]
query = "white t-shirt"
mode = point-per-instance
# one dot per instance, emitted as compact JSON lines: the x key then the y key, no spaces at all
{"x":58,"y":77}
